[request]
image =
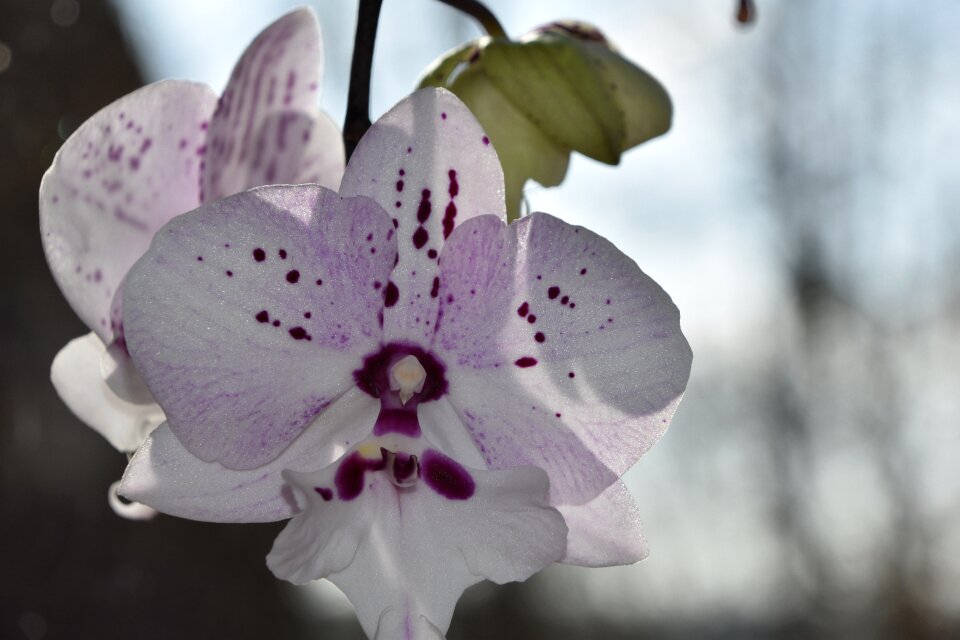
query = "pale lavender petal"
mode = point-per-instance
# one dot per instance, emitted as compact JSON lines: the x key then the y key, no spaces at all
{"x":121,"y":176}
{"x":279,"y":73}
{"x":430,"y":166}
{"x":169,"y":478}
{"x":560,"y":352}
{"x":605,"y":531}
{"x":76,"y":375}
{"x":117,"y":370}
{"x":246,"y":316}
{"x":413,"y":551}
{"x":296,"y":148}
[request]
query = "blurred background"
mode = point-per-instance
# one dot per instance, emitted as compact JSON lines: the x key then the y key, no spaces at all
{"x":803,"y":213}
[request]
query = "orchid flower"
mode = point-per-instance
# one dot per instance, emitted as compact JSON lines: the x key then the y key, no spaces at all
{"x":433,"y":396}
{"x":154,"y":154}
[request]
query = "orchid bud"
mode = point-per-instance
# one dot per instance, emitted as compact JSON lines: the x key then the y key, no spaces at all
{"x":563,"y":87}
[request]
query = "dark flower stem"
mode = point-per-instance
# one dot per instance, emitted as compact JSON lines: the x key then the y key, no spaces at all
{"x":481,"y":14}
{"x":357,"y":120}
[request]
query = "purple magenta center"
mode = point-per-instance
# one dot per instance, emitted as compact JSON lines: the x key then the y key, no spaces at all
{"x":403,"y":421}
{"x":446,"y":476}
{"x":373,"y":376}
{"x":350,"y":475}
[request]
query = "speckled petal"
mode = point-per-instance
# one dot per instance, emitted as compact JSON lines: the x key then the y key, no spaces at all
{"x":169,"y":478}
{"x":121,"y":176}
{"x":76,"y":375}
{"x":430,"y":166}
{"x":605,"y":531}
{"x":246,"y":316}
{"x":276,"y":79}
{"x":412,"y":552}
{"x":296,"y":148}
{"x":561,"y":352}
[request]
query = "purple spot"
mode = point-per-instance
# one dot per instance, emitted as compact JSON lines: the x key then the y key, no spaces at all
{"x":402,"y":421}
{"x":583,"y":271}
{"x":564,"y":299}
{"x":446,"y":476}
{"x":229,"y":274}
{"x":432,"y":254}
{"x":486,"y":140}
{"x":390,"y":295}
{"x":134,"y":163}
{"x":525,"y":361}
{"x":523,"y":309}
{"x":397,"y":204}
{"x":444,"y":115}
{"x":376,"y":284}
{"x":202,"y":150}
{"x":423,"y":210}
{"x":282,"y":253}
{"x":373,"y":249}
{"x":147,"y":142}
{"x":399,"y":185}
{"x":531,"y":318}
{"x":553,"y":292}
{"x":259,"y":255}
{"x":369,"y":237}
{"x":307,"y":315}
{"x":204,"y":125}
{"x":420,"y":237}
{"x":396,"y":223}
{"x":319,"y":282}
{"x":608,"y":300}
{"x":539,"y":277}
{"x":539,"y":337}
{"x":114,"y":153}
{"x":573,"y":305}
{"x":349,"y":477}
{"x":324,"y":493}
{"x":435,"y":289}
{"x":199,"y":258}
{"x":293,"y":276}
{"x":263,"y":316}
{"x":448,"y":215}
{"x":97,"y":275}
{"x":276,"y":323}
{"x":183,"y":143}
{"x":454,"y":188}
{"x":571,"y":375}
{"x":297,"y":333}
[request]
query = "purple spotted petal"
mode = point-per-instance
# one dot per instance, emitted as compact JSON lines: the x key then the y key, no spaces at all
{"x":560,"y":352}
{"x":605,"y":531}
{"x":121,"y":176}
{"x":296,"y":148}
{"x":430,"y":166}
{"x":246,"y":316}
{"x":277,"y":76}
{"x":412,"y":552}
{"x":169,"y":478}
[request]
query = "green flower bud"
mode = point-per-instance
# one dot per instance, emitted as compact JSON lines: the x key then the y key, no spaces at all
{"x":560,"y":88}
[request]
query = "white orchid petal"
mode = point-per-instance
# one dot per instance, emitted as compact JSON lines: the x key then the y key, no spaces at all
{"x":76,"y":375}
